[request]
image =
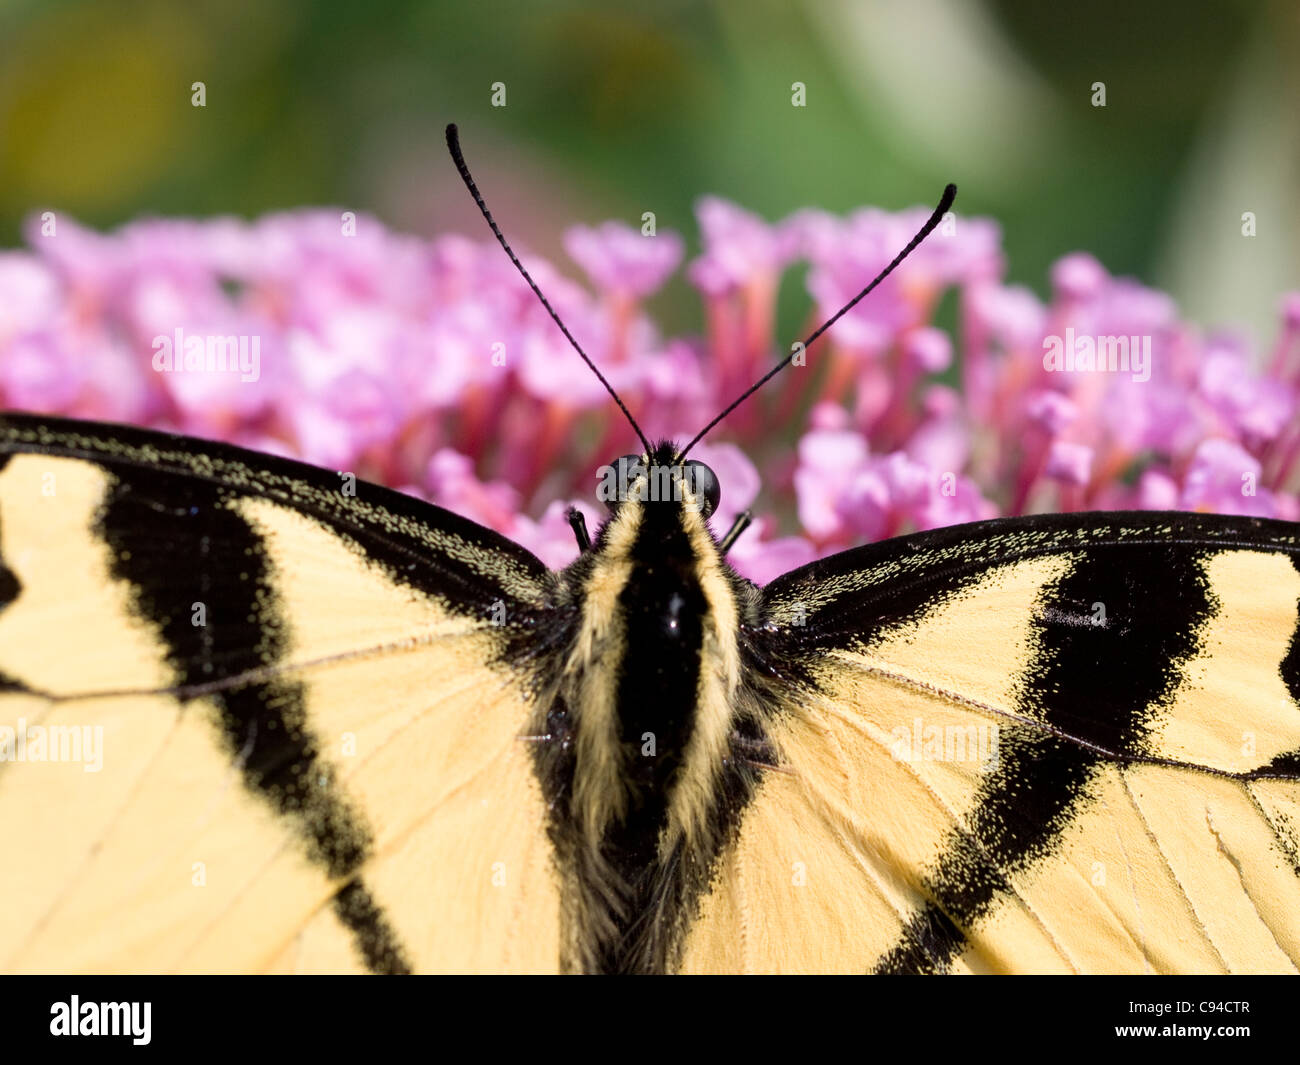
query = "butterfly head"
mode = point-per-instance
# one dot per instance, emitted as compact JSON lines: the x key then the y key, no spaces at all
{"x":660,"y":479}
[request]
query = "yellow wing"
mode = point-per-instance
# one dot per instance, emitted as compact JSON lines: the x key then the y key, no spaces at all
{"x":1066,"y":744}
{"x":252,"y":722}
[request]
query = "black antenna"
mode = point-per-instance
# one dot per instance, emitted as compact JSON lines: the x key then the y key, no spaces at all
{"x":949,"y":194}
{"x":453,"y":145}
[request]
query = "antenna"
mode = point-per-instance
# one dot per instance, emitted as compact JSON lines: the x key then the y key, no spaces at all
{"x":453,"y":145}
{"x":945,"y":202}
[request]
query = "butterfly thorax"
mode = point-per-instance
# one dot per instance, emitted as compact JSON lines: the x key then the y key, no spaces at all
{"x":641,"y":727}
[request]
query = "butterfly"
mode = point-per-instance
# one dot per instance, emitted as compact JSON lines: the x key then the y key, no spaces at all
{"x":349,"y":731}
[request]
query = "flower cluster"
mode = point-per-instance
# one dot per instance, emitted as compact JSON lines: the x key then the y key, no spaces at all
{"x":428,"y":365}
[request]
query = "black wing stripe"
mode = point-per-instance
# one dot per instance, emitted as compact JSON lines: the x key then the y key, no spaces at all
{"x":1157,"y":603}
{"x":897,"y":580}
{"x":1287,"y":765}
{"x":927,"y":945}
{"x":1291,"y":662}
{"x":420,"y":545}
{"x":221,"y":562}
{"x":10,"y":586}
{"x":374,"y":935}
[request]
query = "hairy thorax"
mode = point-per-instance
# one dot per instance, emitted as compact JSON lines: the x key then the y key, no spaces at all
{"x":636,"y":757}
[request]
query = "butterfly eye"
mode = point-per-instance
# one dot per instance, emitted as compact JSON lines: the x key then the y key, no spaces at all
{"x":627,"y":468}
{"x":704,"y":483}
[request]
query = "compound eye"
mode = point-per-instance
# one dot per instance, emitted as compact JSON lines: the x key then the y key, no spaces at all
{"x":704,"y":483}
{"x":627,"y":468}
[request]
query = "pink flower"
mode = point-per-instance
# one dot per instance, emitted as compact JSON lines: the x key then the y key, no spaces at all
{"x":550,"y":370}
{"x":452,"y":483}
{"x":1158,"y":491}
{"x":678,"y":394}
{"x":1054,"y":412}
{"x":829,"y":462}
{"x":30,"y":300}
{"x":38,"y":371}
{"x":620,"y":259}
{"x":430,"y":365}
{"x":763,"y":560}
{"x":942,"y":441}
{"x":1069,"y":463}
{"x":952,"y":501}
{"x":1224,"y":478}
{"x":89,"y":263}
{"x":737,"y":246}
{"x":1251,"y":406}
{"x":928,"y":349}
{"x":846,"y":257}
{"x":1078,"y":277}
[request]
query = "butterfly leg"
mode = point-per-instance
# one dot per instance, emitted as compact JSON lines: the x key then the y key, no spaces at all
{"x":579,"y":525}
{"x":742,"y":522}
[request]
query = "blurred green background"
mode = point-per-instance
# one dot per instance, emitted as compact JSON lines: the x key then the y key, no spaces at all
{"x":616,"y":109}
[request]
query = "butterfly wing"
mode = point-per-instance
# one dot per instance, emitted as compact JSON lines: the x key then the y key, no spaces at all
{"x":1061,"y":743}
{"x":254,"y":719}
